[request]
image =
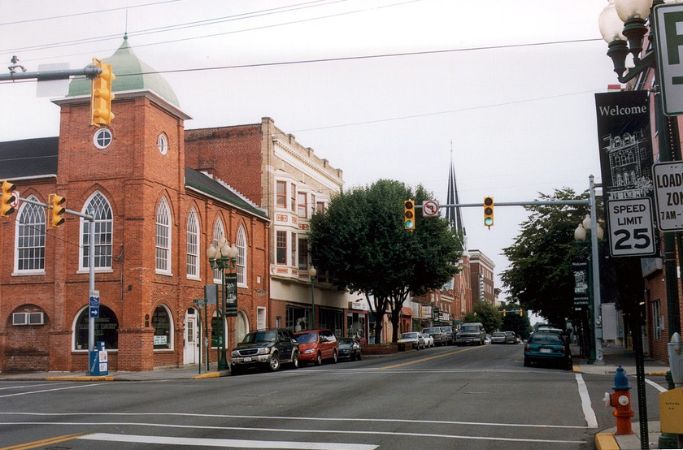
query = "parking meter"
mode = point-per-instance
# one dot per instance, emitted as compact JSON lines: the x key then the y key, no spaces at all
{"x":676,"y":359}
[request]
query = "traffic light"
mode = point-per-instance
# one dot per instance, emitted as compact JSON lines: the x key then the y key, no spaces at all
{"x":505,"y":313}
{"x":101,"y":95}
{"x":57,"y":210}
{"x":8,"y":199}
{"x":409,"y":215}
{"x":521,"y":312}
{"x":488,"y":211}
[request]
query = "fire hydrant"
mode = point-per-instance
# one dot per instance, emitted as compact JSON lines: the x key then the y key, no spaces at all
{"x":620,"y":400}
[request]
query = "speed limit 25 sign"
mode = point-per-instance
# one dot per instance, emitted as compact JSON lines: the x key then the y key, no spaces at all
{"x":630,"y":227}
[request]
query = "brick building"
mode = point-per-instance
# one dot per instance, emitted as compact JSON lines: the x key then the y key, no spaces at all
{"x":155,"y":215}
{"x":290,"y":182}
{"x":481,"y":277}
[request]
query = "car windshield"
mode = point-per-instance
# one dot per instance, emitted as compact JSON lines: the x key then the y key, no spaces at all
{"x":347,"y":341}
{"x":447,"y":329}
{"x":469,"y":328}
{"x":307,"y":338}
{"x":430,"y":330}
{"x":259,"y":336}
{"x":408,"y":335}
{"x":545,"y":338}
{"x":498,"y":334}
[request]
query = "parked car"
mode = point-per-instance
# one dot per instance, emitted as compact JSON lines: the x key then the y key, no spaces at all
{"x":547,"y":347}
{"x":471,"y":333}
{"x":510,"y":337}
{"x":498,"y":337}
{"x":265,"y":348}
{"x":439,"y":336}
{"x":450,"y":336}
{"x":316,"y":346}
{"x":429,"y":341}
{"x":412,"y":337}
{"x":349,"y":348}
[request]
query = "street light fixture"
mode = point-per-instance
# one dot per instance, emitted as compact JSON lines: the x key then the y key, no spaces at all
{"x":312,"y":272}
{"x":223,"y":257}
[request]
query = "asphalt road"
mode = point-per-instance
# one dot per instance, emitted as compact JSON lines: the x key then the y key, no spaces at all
{"x":440,"y":398}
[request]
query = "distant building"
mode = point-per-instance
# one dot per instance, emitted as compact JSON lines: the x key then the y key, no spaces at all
{"x":481,"y":276}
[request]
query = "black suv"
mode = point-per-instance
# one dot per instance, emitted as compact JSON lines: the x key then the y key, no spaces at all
{"x":266,"y":348}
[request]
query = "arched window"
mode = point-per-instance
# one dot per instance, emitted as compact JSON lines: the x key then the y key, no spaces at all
{"x":106,"y":329}
{"x":30,"y":239}
{"x":163,"y":330}
{"x":192,"y":266}
{"x":218,"y":233}
{"x":241,"y":326}
{"x":99,"y":208}
{"x":163,"y":240}
{"x":241,"y":257}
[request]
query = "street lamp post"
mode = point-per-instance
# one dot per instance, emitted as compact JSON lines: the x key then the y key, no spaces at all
{"x":222,"y":256}
{"x":595,"y":329}
{"x":312,"y":272}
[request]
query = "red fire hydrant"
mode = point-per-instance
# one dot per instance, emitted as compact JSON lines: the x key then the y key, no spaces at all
{"x":620,"y":400}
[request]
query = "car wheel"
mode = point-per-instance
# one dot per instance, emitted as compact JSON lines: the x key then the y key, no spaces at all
{"x":568,"y":364}
{"x":358,"y":356}
{"x":335,"y":358}
{"x":318,"y":360}
{"x":274,"y":362}
{"x":295,"y":360}
{"x":234,"y":370}
{"x":527,"y":363}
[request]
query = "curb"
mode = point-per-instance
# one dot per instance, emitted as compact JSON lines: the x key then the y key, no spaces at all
{"x":80,"y":378}
{"x":201,"y":376}
{"x":606,"y":441}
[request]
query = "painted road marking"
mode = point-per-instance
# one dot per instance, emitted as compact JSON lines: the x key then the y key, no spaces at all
{"x":50,"y":390}
{"x":280,"y":418}
{"x":588,"y":412}
{"x":22,"y":386}
{"x":240,"y":443}
{"x":428,"y":358}
{"x":301,"y":430}
{"x":655,"y":385}
{"x":43,"y":442}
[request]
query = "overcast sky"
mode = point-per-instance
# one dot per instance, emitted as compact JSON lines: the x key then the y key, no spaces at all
{"x":509,"y":83}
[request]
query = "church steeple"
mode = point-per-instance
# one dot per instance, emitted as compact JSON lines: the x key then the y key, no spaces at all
{"x":453,"y":214}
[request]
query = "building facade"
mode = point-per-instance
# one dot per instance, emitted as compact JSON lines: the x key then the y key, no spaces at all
{"x":154,"y":217}
{"x":481,"y":277}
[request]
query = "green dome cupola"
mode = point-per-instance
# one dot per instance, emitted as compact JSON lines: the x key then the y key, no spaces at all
{"x":131,"y":75}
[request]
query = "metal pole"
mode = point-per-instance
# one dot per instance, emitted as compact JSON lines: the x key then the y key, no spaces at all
{"x":222,"y":362}
{"x":595,"y":259}
{"x":312,"y":305}
{"x":91,"y":279}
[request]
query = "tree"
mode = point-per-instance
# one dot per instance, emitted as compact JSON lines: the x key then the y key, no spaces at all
{"x":515,"y":319}
{"x":487,"y":314}
{"x":540,"y":275}
{"x":360,"y":242}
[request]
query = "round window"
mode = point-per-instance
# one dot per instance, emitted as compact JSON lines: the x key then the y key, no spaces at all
{"x":102,"y":138}
{"x":162,"y":144}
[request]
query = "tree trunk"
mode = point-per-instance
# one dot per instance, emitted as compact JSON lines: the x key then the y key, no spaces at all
{"x":378,"y":327}
{"x":395,"y":318}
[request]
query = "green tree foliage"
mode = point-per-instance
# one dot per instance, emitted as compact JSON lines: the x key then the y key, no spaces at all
{"x":487,"y":314}
{"x":360,"y":242}
{"x":516,"y":319}
{"x":539,"y":275}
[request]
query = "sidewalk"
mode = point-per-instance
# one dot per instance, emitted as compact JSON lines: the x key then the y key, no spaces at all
{"x":170,"y":373}
{"x":614,"y":357}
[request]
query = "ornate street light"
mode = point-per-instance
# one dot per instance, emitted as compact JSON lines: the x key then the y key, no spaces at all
{"x":223,"y":257}
{"x":312,"y":272}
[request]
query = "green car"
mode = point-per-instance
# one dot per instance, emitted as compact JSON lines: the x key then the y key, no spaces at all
{"x":547,"y":347}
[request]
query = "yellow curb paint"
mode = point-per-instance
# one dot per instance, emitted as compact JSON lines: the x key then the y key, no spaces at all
{"x":44,"y":442}
{"x":606,"y":441}
{"x":207,"y":375}
{"x":85,"y":378}
{"x":429,"y":358}
{"x":576,"y":368}
{"x":656,"y":374}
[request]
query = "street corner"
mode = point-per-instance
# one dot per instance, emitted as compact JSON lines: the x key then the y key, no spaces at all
{"x":606,"y":441}
{"x":219,"y":374}
{"x":655,"y":373}
{"x":80,"y":378}
{"x":576,"y":368}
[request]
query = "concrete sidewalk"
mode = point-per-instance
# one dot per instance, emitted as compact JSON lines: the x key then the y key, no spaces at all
{"x":171,"y":373}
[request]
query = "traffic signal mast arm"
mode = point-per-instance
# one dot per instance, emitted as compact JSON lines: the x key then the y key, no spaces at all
{"x":90,"y":71}
{"x":67,"y":211}
{"x":527,"y":203}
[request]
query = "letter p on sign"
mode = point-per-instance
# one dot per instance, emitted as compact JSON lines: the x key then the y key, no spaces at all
{"x":669,"y":28}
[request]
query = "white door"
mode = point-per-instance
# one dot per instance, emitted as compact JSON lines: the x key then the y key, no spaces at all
{"x":192,"y":349}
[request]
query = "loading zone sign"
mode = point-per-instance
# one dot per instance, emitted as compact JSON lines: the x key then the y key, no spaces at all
{"x":630,"y":227}
{"x":668,"y":179}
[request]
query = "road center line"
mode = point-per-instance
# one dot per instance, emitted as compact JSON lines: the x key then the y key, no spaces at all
{"x":280,"y":418}
{"x":50,"y":390}
{"x":302,"y":430}
{"x":588,"y":412}
{"x":428,"y":358}
{"x":655,"y":385}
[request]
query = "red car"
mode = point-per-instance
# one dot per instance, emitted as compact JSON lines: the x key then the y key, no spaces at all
{"x":316,"y":346}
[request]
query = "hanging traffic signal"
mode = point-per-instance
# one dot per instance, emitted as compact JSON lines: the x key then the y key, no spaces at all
{"x":101,"y":95}
{"x":8,"y":199}
{"x":57,"y":210}
{"x":409,"y":215}
{"x":488,"y":211}
{"x":521,"y":312}
{"x":505,"y":313}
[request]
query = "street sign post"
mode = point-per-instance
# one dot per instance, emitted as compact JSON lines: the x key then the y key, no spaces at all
{"x":669,"y":38}
{"x":668,"y":180}
{"x":630,"y":227}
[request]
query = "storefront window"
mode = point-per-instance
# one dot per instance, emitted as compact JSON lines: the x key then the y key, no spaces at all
{"x":106,"y":329}
{"x":161,"y":322}
{"x":297,"y":318}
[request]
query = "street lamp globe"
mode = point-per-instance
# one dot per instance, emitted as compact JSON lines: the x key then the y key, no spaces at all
{"x":312,"y":272}
{"x":580,"y":233}
{"x":211,"y":252}
{"x":633,"y":9}
{"x":610,"y":24}
{"x":586,"y":222}
{"x":231,"y":252}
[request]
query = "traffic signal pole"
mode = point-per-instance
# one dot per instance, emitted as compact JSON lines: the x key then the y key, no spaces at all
{"x":90,"y":71}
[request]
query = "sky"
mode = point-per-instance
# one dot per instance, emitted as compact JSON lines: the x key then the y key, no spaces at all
{"x":398,"y":88}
